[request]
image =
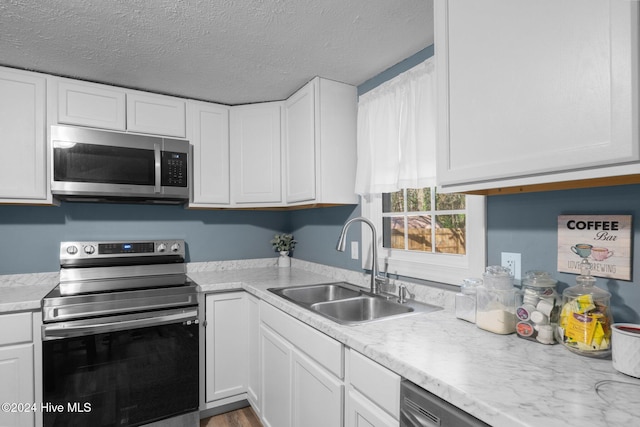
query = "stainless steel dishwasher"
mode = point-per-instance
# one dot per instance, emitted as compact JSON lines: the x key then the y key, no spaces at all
{"x":419,"y":408}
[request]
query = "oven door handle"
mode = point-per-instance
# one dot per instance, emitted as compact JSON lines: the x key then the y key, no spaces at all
{"x":76,"y":329}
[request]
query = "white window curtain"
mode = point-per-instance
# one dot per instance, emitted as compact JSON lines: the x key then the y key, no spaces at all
{"x":397,"y":133}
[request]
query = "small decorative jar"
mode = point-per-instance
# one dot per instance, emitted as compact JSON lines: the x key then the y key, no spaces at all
{"x":538,"y":312}
{"x":585,"y":322}
{"x":466,"y":300}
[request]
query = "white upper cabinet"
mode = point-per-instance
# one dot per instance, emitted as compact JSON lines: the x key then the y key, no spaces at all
{"x":255,"y":153}
{"x":23,"y":164}
{"x":534,"y":92}
{"x":320,"y":143}
{"x":155,"y":114}
{"x":300,"y":147}
{"x":301,"y":151}
{"x":209,"y":135}
{"x":108,"y":107}
{"x":88,"y":104}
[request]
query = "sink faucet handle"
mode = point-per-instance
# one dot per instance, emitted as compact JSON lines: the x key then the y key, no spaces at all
{"x":402,"y":294}
{"x":383,"y":276}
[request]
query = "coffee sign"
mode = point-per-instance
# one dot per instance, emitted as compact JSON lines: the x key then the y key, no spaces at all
{"x":603,"y":240}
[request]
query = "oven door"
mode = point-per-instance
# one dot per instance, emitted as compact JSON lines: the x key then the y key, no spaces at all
{"x":122,"y":370}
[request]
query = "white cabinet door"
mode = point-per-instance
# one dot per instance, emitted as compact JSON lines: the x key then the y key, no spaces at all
{"x":209,"y":135}
{"x":299,"y":145}
{"x":535,"y":88}
{"x":361,"y":412}
{"x":17,"y":368}
{"x":226,"y":345}
{"x":91,"y":105}
{"x":317,"y":395}
{"x":255,"y":153}
{"x":23,"y":164}
{"x":275,"y":371}
{"x":16,"y":371}
{"x":320,"y":143}
{"x":336,"y":111}
{"x":253,"y":380}
{"x":155,"y":114}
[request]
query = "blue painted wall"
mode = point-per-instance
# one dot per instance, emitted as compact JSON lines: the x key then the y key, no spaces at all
{"x":30,"y":236}
{"x":528,"y":224}
{"x":317,"y":232}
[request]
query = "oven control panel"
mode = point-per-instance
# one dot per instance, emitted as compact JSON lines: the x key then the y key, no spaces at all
{"x":119,"y":249}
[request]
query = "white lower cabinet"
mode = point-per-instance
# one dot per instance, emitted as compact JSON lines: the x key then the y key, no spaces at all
{"x":292,"y":374}
{"x":361,"y":412}
{"x":275,"y":364}
{"x":316,"y":395}
{"x":374,"y":393}
{"x":17,"y":372}
{"x":253,"y":375}
{"x":301,"y":373}
{"x":226,"y":347}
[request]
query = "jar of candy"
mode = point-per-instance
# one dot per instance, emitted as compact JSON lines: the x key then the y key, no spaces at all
{"x":585,"y":321}
{"x":466,"y":300}
{"x":540,"y":304}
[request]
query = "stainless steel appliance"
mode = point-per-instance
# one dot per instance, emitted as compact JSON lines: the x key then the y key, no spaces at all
{"x":97,"y":165}
{"x":419,"y":408}
{"x":121,"y":336}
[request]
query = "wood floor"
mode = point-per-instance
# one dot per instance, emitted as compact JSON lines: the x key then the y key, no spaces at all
{"x":244,"y":417}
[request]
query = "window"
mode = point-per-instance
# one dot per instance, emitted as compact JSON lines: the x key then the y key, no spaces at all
{"x":423,"y":220}
{"x":426,"y":234}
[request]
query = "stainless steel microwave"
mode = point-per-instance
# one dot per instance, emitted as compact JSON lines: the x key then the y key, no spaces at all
{"x":96,"y":165}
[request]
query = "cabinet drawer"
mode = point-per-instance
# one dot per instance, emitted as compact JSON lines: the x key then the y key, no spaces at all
{"x":323,"y":349}
{"x":16,"y":328}
{"x":377,"y":383}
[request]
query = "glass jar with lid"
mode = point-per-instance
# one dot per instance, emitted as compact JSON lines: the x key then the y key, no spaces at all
{"x":496,"y":301}
{"x":466,"y":300}
{"x":538,"y":312}
{"x":585,"y":321}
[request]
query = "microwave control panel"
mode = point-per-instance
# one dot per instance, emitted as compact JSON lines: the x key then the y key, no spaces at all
{"x":174,"y":169}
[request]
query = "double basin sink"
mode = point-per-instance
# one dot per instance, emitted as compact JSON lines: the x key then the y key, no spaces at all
{"x":349,"y":304}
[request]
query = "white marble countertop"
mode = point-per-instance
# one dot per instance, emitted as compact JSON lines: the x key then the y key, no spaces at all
{"x":24,"y":292}
{"x":503,"y":380}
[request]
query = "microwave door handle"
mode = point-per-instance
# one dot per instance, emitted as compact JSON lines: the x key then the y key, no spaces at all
{"x":158,"y":156}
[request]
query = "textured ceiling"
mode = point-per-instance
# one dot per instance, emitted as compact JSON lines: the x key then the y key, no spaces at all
{"x":225,"y":51}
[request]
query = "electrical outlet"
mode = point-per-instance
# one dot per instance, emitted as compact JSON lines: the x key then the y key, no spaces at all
{"x":354,"y":250}
{"x":513,"y":262}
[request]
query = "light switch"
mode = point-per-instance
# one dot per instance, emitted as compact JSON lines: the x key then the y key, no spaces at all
{"x":354,"y":250}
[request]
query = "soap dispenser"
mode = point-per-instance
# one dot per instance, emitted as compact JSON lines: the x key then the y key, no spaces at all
{"x":584,"y":326}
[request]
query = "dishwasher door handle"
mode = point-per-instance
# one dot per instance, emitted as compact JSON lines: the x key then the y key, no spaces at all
{"x":409,"y":418}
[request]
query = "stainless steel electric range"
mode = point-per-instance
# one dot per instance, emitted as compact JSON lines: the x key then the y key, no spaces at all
{"x":120,"y":336}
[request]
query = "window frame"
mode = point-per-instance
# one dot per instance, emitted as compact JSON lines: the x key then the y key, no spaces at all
{"x":438,"y":267}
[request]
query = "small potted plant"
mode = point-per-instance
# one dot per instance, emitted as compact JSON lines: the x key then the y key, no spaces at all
{"x":284,"y":244}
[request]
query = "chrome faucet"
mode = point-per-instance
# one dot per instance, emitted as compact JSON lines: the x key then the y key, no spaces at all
{"x":376,"y":278}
